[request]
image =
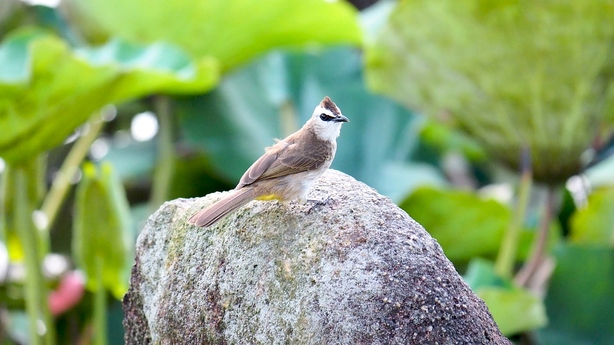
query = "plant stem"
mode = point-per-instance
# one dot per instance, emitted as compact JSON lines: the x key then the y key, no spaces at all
{"x":100,"y":307}
{"x":61,"y":183}
{"x":166,"y":153}
{"x":509,"y":246}
{"x":537,"y":255}
{"x":37,"y":306}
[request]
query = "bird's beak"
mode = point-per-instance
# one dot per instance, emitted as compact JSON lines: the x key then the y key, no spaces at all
{"x":341,"y":118}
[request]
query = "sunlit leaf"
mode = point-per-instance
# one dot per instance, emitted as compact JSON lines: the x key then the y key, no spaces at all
{"x":464,"y":225}
{"x":231,"y":31}
{"x":514,"y":310}
{"x":595,"y":223}
{"x":512,"y":74}
{"x":102,"y":230}
{"x":47,"y":89}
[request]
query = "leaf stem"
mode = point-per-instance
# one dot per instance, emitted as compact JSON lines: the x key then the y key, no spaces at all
{"x":61,"y":183}
{"x":100,"y":307}
{"x":166,"y":153}
{"x":509,"y":246}
{"x":539,"y":248}
{"x":36,"y":293}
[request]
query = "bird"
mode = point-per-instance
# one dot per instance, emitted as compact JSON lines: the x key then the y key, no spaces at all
{"x":288,"y":169}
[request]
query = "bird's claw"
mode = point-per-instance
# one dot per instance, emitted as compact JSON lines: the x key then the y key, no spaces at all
{"x":316,"y":203}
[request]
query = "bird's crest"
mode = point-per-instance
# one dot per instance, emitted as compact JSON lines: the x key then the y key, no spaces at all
{"x":328,"y":103}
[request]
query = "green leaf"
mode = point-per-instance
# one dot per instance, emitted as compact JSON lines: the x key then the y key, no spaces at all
{"x":481,"y":273}
{"x":514,"y":309}
{"x":159,"y":67}
{"x":47,"y":90}
{"x":102,"y":230}
{"x":231,"y":31}
{"x":512,"y":74}
{"x":464,"y":225}
{"x":595,"y":223}
{"x":579,"y":297}
{"x":233,"y":123}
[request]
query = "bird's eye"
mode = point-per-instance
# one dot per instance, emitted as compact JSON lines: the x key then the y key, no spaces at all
{"x":325,"y":117}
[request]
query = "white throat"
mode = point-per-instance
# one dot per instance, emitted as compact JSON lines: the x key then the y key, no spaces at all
{"x":328,"y":131}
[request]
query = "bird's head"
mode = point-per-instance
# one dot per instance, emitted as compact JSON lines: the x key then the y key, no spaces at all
{"x":327,"y":120}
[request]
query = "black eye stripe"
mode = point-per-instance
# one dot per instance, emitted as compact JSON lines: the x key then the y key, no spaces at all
{"x":326,"y":117}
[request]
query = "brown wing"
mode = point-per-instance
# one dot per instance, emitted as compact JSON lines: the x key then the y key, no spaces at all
{"x":285,"y":159}
{"x":257,"y":169}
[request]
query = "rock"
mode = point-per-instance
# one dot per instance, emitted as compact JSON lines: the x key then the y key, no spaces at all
{"x":352,"y":268}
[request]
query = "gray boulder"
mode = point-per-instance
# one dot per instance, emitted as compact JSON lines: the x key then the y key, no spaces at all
{"x":351,"y":268}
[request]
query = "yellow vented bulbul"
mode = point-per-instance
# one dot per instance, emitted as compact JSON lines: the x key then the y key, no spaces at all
{"x":288,"y":169}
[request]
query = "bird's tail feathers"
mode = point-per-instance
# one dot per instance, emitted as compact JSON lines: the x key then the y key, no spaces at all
{"x":218,"y":210}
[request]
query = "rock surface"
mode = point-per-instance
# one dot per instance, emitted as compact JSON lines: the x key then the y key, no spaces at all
{"x":351,"y":269}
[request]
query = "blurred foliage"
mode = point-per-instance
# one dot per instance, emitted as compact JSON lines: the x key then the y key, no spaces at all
{"x":444,"y":138}
{"x":58,"y":66}
{"x":10,"y":193}
{"x":20,"y":189}
{"x":276,"y":94}
{"x":493,"y":78}
{"x":101,"y":242}
{"x":47,"y":89}
{"x":512,"y":74}
{"x":515,"y":309}
{"x":594,"y":224}
{"x":233,"y":32}
{"x":463,"y":224}
{"x":515,"y":75}
{"x":579,"y":300}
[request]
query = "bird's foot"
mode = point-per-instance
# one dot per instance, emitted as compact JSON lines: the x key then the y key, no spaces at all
{"x":315,"y":203}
